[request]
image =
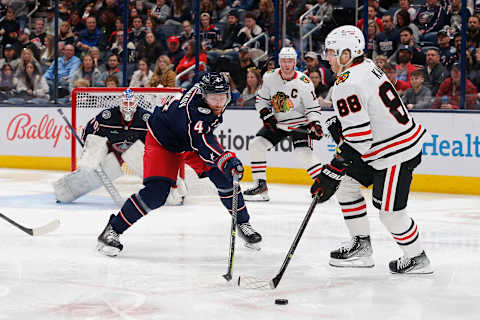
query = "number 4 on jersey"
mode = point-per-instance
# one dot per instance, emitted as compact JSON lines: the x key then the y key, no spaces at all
{"x":198,"y":127}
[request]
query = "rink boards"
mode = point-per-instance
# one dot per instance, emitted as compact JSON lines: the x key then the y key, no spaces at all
{"x":37,"y":138}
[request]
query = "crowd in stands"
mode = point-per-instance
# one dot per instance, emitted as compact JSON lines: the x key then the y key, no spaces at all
{"x":416,"y":44}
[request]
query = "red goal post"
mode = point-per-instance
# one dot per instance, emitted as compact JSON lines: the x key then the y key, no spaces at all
{"x":88,"y":102}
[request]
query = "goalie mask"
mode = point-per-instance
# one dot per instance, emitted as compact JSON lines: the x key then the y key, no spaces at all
{"x":215,"y":89}
{"x":129,"y":105}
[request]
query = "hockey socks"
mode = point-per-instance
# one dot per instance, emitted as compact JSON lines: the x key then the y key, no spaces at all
{"x":404,"y":231}
{"x":355,"y":215}
{"x":151,"y":197}
{"x":226,"y":197}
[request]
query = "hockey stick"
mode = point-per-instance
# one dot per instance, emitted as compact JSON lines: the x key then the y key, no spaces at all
{"x":49,"y":227}
{"x":107,"y":183}
{"x":228,"y":275}
{"x":286,"y":127}
{"x":254,"y":283}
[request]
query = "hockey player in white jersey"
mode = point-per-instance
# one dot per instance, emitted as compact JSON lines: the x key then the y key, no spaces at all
{"x":288,"y":107}
{"x":379,"y":144}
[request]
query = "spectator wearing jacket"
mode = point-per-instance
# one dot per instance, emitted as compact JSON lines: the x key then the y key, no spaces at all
{"x":87,"y":72}
{"x":67,"y":65}
{"x":430,"y":18}
{"x":448,"y":95}
{"x":210,"y":37}
{"x":174,"y":52}
{"x":32,"y":83}
{"x":232,"y":30}
{"x":435,"y":72}
{"x":91,"y":37}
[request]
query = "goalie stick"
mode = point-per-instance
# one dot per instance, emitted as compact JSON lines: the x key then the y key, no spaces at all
{"x":228,"y":275}
{"x":49,"y":227}
{"x":254,"y":283}
{"x":107,"y":183}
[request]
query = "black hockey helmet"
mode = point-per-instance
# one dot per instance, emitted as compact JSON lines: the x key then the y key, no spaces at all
{"x":216,"y":83}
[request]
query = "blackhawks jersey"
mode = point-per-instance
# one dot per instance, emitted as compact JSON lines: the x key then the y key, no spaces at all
{"x":110,"y":124}
{"x":374,"y":120}
{"x":295,"y":103}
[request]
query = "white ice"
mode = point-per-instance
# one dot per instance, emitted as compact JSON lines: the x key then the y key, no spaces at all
{"x":173,"y":260}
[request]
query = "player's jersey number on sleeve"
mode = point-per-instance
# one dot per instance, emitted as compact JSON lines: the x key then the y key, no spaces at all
{"x":351,"y":104}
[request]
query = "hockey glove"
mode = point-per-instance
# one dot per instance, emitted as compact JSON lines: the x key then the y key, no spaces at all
{"x":314,"y":130}
{"x":326,"y":183}
{"x":229,"y":164}
{"x":268,"y":118}
{"x":335,"y":128}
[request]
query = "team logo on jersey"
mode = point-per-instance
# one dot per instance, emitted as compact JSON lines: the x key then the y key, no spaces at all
{"x":342,"y":77}
{"x":106,"y":114}
{"x":204,"y":110}
{"x":281,"y":102}
{"x":305,"y":79}
{"x":145,"y":117}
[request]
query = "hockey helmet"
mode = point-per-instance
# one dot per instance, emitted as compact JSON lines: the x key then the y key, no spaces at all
{"x":129,"y":104}
{"x":345,"y":38}
{"x":287,"y":53}
{"x":215,"y":83}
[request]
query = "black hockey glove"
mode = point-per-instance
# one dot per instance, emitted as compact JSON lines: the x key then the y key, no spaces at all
{"x":268,"y":118}
{"x":229,"y":164}
{"x":326,"y":183}
{"x":314,"y":130}
{"x":335,"y":128}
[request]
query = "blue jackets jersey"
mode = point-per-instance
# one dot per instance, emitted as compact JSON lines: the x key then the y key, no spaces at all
{"x":110,"y":124}
{"x":187,"y":125}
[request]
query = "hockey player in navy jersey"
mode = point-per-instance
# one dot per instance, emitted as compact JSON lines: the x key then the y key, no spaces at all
{"x":183,"y":130}
{"x":379,"y":144}
{"x":114,"y":136}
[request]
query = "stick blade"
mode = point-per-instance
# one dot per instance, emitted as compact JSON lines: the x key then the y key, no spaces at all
{"x":49,"y":227}
{"x":248,"y":282}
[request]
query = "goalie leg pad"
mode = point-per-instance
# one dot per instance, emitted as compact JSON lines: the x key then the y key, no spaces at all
{"x":138,"y":205}
{"x":133,"y":157}
{"x":225,"y":192}
{"x":111,"y":166}
{"x":75,"y":184}
{"x":94,"y":151}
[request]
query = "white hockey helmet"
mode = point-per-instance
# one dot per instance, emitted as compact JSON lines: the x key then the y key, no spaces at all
{"x":129,"y":104}
{"x":345,"y":38}
{"x":287,"y":53}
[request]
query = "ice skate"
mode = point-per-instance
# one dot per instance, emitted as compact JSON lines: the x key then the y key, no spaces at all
{"x":249,"y":235}
{"x":416,"y":265}
{"x":108,"y":241}
{"x":355,"y":254}
{"x":259,"y":192}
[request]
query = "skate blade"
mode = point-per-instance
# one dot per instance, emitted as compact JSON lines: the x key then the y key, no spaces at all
{"x":252,"y":246}
{"x":107,"y":250}
{"x":256,"y":198}
{"x":425,"y":270}
{"x":363,"y":262}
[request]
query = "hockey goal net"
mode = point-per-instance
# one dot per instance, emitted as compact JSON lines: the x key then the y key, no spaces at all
{"x":88,"y":102}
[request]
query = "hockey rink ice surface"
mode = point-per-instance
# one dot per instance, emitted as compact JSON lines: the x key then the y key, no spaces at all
{"x":173,"y":260}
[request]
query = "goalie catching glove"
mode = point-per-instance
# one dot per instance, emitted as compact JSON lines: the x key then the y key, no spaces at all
{"x":268,"y":118}
{"x":229,"y":164}
{"x":326,"y":183}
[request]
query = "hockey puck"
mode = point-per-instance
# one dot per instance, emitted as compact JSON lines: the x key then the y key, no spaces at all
{"x":281,"y":301}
